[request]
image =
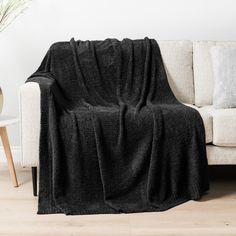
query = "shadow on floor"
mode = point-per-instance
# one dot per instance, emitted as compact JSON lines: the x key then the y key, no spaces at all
{"x":225,"y":175}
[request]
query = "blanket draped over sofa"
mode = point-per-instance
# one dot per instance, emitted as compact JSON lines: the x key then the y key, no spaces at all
{"x":114,"y":139}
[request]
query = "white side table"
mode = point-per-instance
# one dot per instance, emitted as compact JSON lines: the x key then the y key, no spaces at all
{"x":5,"y":121}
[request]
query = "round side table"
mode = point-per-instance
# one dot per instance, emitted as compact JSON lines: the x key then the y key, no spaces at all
{"x":5,"y":121}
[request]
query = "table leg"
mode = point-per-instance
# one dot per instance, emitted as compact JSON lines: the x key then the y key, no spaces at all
{"x":7,"y":148}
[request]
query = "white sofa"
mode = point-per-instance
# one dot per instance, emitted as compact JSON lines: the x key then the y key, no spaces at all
{"x":189,"y":70}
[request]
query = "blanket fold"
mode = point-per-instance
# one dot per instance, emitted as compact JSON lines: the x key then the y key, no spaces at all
{"x":114,"y":139}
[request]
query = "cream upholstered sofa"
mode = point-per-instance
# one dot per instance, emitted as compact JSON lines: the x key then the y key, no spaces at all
{"x":189,"y":69}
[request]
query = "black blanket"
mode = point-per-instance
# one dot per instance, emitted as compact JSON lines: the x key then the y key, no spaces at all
{"x":113,"y":136}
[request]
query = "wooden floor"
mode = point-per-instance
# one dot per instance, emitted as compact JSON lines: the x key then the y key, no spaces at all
{"x":214,"y":215}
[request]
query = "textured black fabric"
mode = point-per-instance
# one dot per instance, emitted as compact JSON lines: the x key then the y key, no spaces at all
{"x":113,"y":136}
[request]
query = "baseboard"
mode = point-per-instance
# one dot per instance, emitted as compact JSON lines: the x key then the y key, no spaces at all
{"x":16,"y":153}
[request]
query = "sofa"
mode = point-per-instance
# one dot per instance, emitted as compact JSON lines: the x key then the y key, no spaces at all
{"x":189,"y":70}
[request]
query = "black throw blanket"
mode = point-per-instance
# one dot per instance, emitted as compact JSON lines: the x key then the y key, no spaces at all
{"x":114,"y":139}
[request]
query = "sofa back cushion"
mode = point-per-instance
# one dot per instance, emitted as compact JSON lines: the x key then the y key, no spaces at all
{"x":203,"y":70}
{"x":178,"y":61}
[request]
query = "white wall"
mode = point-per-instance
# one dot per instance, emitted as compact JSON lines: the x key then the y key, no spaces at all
{"x":25,"y":42}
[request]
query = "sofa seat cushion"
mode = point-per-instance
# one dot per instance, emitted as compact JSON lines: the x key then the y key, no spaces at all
{"x":217,"y":155}
{"x":224,"y":127}
{"x":205,"y":113}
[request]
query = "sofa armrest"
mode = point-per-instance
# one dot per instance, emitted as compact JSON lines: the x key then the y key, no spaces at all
{"x":30,"y":123}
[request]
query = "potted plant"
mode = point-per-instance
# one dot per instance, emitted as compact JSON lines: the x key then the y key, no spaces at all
{"x":9,"y":10}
